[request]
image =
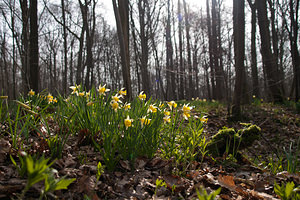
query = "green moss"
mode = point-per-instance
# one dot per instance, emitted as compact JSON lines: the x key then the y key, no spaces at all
{"x":230,"y":141}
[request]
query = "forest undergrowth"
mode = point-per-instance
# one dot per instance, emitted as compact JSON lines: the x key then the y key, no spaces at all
{"x":97,"y":145}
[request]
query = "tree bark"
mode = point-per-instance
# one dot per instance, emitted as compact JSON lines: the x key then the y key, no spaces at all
{"x":268,"y":57}
{"x":34,"y":47}
{"x":239,"y":53}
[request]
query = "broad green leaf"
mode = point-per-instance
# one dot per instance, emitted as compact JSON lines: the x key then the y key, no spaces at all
{"x":63,"y":183}
{"x":289,"y":188}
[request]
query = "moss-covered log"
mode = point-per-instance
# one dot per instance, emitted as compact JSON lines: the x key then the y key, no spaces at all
{"x":230,"y":141}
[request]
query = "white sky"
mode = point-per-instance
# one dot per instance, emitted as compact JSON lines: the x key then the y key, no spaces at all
{"x":194,"y":4}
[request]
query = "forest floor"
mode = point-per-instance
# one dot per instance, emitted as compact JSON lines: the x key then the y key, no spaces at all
{"x":253,"y":177}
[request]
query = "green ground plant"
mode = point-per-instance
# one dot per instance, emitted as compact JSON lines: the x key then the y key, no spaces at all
{"x":203,"y":195}
{"x":36,"y":170}
{"x":287,"y":191}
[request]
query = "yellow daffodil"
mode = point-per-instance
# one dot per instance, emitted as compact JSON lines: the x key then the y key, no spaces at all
{"x":167,"y":113}
{"x":161,"y":105}
{"x":75,"y":89}
{"x":123,"y":92}
{"x":116,"y":98}
{"x":167,"y":119}
{"x":213,"y":101}
{"x":49,"y":98}
{"x":128,"y":122}
{"x":253,"y":96}
{"x":261,"y":100}
{"x":142,"y":96}
{"x":127,"y":106}
{"x":31,"y":93}
{"x":204,"y":100}
{"x":145,"y":121}
{"x":81,"y":94}
{"x":102,"y":89}
{"x":88,"y":94}
{"x":204,"y":119}
{"x":55,"y":100}
{"x":114,"y":105}
{"x":186,"y":108}
{"x":186,"y":115}
{"x":152,"y":108}
{"x":172,"y":104}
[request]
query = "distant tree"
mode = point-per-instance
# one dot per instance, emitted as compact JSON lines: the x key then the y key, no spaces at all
{"x":169,"y":58}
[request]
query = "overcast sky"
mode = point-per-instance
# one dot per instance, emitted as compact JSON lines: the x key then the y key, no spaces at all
{"x":109,"y":13}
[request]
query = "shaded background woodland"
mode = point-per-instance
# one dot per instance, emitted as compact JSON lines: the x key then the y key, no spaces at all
{"x":167,"y":48}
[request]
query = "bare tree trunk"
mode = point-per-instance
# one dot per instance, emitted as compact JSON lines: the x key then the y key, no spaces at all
{"x":144,"y":7}
{"x":122,"y":21}
{"x":169,"y":57}
{"x":24,"y":50}
{"x":267,"y":56}
{"x":239,"y":53}
{"x":181,"y":67}
{"x":211,"y":59}
{"x":255,"y":84}
{"x":65,"y":46}
{"x":34,"y":47}
{"x":189,"y":56}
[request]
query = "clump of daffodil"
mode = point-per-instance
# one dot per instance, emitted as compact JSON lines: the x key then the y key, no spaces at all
{"x":145,"y":121}
{"x":75,"y":89}
{"x":31,"y":93}
{"x":186,"y":111}
{"x":123,"y":92}
{"x":127,"y":106}
{"x":152,"y":108}
{"x":115,"y":105}
{"x":128,"y":122}
{"x":102,"y":89}
{"x":172,"y":104}
{"x":116,"y":98}
{"x":142,"y":96}
{"x":167,"y":119}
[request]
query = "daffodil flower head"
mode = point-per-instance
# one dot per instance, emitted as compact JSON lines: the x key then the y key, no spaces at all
{"x":186,"y":108}
{"x":145,"y":121}
{"x":117,"y":98}
{"x":152,"y":108}
{"x":88,"y":94}
{"x":142,"y":96}
{"x":114,"y":104}
{"x":102,"y":89}
{"x":167,"y":113}
{"x":31,"y":93}
{"x":167,"y":119}
{"x":75,"y":89}
{"x":127,"y":106}
{"x":204,"y":119}
{"x":123,"y":92}
{"x":186,"y":115}
{"x":172,"y":104}
{"x":81,"y":94}
{"x":49,"y":97}
{"x":128,"y":122}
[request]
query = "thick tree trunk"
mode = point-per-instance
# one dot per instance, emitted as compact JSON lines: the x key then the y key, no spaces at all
{"x":34,"y":47}
{"x":122,"y":20}
{"x":239,"y":53}
{"x":267,"y":56}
